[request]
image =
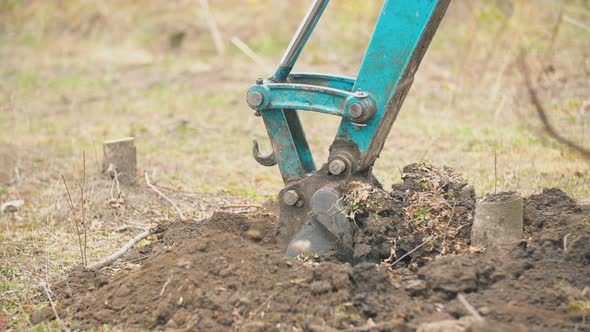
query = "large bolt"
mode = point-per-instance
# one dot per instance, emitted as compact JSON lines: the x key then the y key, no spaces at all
{"x":355,"y":110}
{"x":290,"y":197}
{"x":337,"y":166}
{"x":254,"y":99}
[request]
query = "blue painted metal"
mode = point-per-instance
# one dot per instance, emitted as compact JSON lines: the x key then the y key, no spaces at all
{"x":400,"y":39}
{"x":281,"y":74}
{"x":328,"y":81}
{"x":283,"y":125}
{"x":293,"y":162}
{"x":401,"y":36}
{"x":314,"y":98}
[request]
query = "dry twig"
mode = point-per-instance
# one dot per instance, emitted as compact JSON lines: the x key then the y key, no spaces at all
{"x":547,"y":125}
{"x":469,"y":307}
{"x":128,"y":227}
{"x":119,"y":253}
{"x":115,"y":183}
{"x":215,"y":34}
{"x":576,"y":23}
{"x":71,"y":205}
{"x":164,"y":287}
{"x":50,"y":300}
{"x":82,"y":214}
{"x":267,"y":301}
{"x":412,"y":251}
{"x":147,"y":181}
{"x":249,"y":53}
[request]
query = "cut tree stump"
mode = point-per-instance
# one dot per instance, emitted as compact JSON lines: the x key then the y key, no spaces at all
{"x":498,"y":220}
{"x":120,"y":159}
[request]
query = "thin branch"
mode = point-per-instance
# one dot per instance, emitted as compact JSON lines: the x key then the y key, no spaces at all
{"x":147,"y":180}
{"x":469,"y":307}
{"x":119,"y":253}
{"x":50,"y":300}
{"x":82,"y":214}
{"x":576,"y":23}
{"x":249,"y":53}
{"x":547,"y":125}
{"x":565,"y":241}
{"x":128,"y":227}
{"x":215,"y":34}
{"x":71,"y":205}
{"x":115,"y":182}
{"x":412,"y":251}
{"x":164,"y":287}
{"x":267,"y":301}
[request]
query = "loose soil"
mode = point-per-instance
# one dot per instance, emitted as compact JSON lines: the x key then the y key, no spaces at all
{"x":225,"y":272}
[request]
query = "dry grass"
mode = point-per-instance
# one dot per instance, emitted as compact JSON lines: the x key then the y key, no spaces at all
{"x":75,"y":73}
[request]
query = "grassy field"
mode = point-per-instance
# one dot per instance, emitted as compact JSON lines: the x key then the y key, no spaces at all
{"x":76,"y":73}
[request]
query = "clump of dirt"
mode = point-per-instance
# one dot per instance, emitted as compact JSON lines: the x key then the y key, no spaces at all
{"x":430,"y":213}
{"x":225,"y":272}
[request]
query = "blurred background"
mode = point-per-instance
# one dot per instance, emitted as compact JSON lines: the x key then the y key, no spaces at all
{"x":174,"y":74}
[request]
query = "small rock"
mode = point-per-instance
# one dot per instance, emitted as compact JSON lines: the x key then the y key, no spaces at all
{"x":484,"y":311}
{"x":301,"y":246}
{"x":171,"y":324}
{"x":184,"y":264}
{"x":254,"y":234}
{"x":12,"y":206}
{"x":416,"y":286}
{"x":448,"y":325}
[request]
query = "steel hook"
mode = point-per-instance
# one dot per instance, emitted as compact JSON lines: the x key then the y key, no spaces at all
{"x":264,"y":160}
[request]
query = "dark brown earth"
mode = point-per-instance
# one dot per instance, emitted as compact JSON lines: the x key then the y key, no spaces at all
{"x":226,"y":273}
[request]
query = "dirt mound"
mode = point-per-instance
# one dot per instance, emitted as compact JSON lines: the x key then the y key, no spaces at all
{"x":432,"y":209}
{"x":225,"y":272}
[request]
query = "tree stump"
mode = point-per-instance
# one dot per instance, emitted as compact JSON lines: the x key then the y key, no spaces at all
{"x":120,"y":159}
{"x":498,"y":220}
